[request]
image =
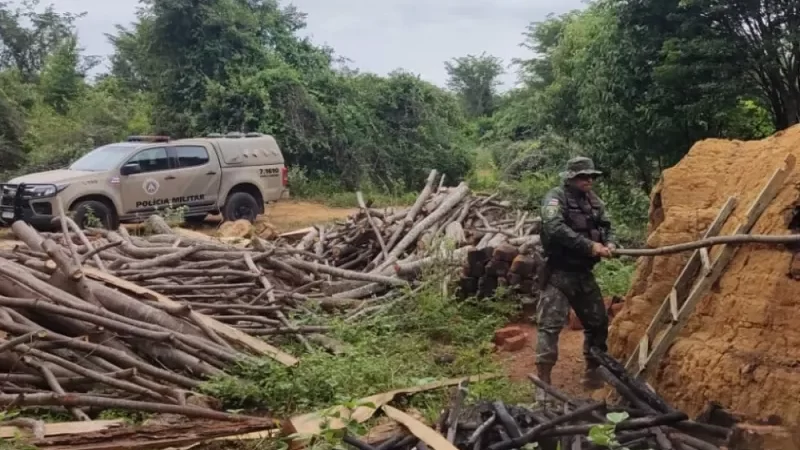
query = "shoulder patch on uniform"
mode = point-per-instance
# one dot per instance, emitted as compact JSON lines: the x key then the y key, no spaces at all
{"x":553,"y":202}
{"x":550,"y":211}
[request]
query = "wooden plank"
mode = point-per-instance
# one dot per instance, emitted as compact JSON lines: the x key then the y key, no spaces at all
{"x":705,"y":259}
{"x":725,"y":255}
{"x":227,"y":331}
{"x":687,"y":275}
{"x":311,"y":424}
{"x":425,"y":433}
{"x":644,"y":350}
{"x":673,"y":304}
{"x":297,"y":233}
{"x":153,"y":436}
{"x":684,"y":280}
{"x":64,"y":428}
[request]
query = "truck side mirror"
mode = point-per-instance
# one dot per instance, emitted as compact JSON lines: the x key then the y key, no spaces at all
{"x":129,"y":169}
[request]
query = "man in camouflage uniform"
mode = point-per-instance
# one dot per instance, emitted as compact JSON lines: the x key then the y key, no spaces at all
{"x":576,"y":233}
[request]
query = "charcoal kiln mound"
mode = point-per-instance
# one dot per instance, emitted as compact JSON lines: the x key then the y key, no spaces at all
{"x":741,"y":347}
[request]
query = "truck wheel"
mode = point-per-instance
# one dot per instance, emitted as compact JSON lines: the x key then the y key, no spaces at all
{"x":88,"y":212}
{"x":240,"y":205}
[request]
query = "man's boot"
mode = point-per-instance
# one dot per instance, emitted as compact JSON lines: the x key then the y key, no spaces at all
{"x":591,"y":378}
{"x":543,"y":371}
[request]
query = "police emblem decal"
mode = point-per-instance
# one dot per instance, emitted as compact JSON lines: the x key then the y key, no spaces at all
{"x":150,"y":186}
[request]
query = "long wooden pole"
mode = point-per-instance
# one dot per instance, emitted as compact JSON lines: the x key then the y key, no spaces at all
{"x":710,"y":242}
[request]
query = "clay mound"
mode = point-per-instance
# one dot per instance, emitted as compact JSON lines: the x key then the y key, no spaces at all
{"x":741,"y":347}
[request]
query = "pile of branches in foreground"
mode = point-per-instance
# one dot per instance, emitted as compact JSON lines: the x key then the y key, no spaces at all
{"x":643,"y":421}
{"x":101,"y":319}
{"x":78,"y":340}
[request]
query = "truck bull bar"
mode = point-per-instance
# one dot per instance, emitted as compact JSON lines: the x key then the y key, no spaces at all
{"x":15,"y":198}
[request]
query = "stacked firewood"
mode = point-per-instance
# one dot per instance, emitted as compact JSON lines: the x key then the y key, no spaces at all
{"x":444,"y":224}
{"x":110,"y":319}
{"x":503,"y":266}
{"x":77,"y":338}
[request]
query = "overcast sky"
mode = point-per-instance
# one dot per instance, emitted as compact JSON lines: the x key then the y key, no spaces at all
{"x":377,"y":35}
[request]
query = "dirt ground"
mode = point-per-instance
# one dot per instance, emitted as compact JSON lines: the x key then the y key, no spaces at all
{"x":566,"y":375}
{"x":288,"y":216}
{"x":6,"y":239}
{"x":291,"y":215}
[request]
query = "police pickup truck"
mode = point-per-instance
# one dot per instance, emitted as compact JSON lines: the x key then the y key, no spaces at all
{"x":234,"y":174}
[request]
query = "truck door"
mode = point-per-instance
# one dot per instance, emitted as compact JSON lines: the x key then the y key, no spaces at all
{"x":198,"y":176}
{"x":146,"y":182}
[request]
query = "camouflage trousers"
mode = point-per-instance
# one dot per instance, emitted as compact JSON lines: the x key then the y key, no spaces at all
{"x":580,"y":291}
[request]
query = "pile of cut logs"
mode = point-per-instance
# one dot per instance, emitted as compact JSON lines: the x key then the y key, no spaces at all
{"x":487,"y":234}
{"x":504,"y":266}
{"x":108,"y":319}
{"x":642,"y":420}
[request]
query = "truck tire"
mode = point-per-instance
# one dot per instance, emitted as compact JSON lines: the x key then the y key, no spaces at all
{"x":89,"y":210}
{"x":240,"y":205}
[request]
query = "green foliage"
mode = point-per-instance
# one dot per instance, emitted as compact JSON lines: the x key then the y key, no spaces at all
{"x":635,"y":84}
{"x":757,"y":40}
{"x":399,"y":348}
{"x":251,"y":72}
{"x":26,"y":48}
{"x":186,"y":68}
{"x":604,"y":435}
{"x":329,"y":190}
{"x":474,"y":79}
{"x":61,"y":81}
{"x":614,"y":276}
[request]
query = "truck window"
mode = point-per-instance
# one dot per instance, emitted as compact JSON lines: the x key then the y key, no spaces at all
{"x":191,"y":156}
{"x":101,"y":159}
{"x":151,"y":159}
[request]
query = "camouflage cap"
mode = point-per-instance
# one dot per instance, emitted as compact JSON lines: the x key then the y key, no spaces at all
{"x":579,"y":165}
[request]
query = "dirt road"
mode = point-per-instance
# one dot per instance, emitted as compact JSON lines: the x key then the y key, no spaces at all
{"x":288,"y":216}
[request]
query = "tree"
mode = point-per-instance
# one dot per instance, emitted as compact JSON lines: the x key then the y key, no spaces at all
{"x":61,"y":80}
{"x":632,"y":83}
{"x":765,"y":34}
{"x":26,"y":49}
{"x":239,"y":65}
{"x":475,"y":80}
{"x":542,"y":38}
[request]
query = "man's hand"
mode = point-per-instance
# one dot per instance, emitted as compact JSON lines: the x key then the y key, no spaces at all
{"x":599,"y":249}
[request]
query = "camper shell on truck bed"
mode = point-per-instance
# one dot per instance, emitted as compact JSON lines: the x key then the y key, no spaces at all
{"x":235,"y":174}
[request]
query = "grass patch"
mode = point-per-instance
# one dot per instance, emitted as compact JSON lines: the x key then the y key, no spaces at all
{"x":614,"y":276}
{"x":329,"y":191}
{"x":348,"y":199}
{"x":427,"y":337}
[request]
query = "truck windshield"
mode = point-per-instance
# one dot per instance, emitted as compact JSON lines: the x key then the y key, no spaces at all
{"x":102,"y":159}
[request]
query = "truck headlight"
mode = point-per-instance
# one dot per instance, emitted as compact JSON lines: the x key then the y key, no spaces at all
{"x":45,"y":190}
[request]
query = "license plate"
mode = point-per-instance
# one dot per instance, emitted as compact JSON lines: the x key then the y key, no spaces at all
{"x":7,"y":215}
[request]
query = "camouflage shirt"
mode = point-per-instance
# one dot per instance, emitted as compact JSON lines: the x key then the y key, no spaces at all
{"x":571,"y":222}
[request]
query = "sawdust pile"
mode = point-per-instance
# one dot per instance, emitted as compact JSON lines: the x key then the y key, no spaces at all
{"x":261,"y":227}
{"x":741,"y":347}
